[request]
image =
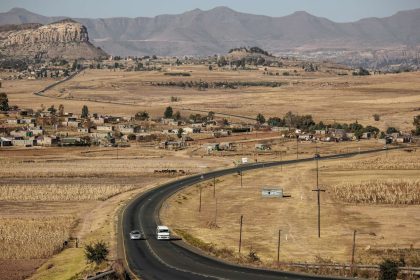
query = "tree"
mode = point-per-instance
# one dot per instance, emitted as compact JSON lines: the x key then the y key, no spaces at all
{"x":168,"y":112}
{"x":96,"y":253}
{"x":376,"y":117}
{"x":388,"y":270}
{"x":177,"y":116}
{"x":260,"y":119}
{"x":180,"y":132}
{"x":52,"y":110}
{"x":85,"y":112}
{"x":210,"y":68}
{"x":210,"y":115}
{"x":61,"y":110}
{"x":4,"y":102}
{"x":141,"y":116}
{"x":391,"y":130}
{"x":416,"y":123}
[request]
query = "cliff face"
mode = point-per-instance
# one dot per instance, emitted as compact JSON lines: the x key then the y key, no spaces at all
{"x":67,"y":39}
{"x":62,"y":32}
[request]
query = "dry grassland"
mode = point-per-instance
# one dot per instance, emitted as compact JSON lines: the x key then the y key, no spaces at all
{"x":327,"y":97}
{"x":381,"y":227}
{"x":49,"y":195}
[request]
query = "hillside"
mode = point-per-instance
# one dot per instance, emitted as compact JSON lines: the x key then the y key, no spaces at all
{"x":66,"y":39}
{"x":200,"y":32}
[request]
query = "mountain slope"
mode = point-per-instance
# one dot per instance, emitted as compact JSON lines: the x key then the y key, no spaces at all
{"x":200,"y":32}
{"x":66,"y":39}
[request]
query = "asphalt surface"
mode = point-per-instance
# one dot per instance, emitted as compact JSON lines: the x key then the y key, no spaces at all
{"x":153,"y":259}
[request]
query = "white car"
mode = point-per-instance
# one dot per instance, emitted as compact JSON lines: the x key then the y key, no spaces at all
{"x":136,"y":235}
{"x":162,"y":233}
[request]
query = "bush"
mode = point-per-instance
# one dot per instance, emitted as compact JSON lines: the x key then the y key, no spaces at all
{"x":376,"y":117}
{"x":388,"y":270}
{"x":96,"y":253}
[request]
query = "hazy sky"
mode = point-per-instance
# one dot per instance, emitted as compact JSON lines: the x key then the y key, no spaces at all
{"x":337,"y":10}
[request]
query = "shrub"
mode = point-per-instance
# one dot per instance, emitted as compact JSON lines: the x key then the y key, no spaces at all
{"x":388,"y":270}
{"x":376,"y":117}
{"x":96,"y":253}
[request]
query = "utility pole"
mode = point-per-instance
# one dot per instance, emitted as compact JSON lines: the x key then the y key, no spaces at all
{"x":353,"y":251}
{"x":318,"y":190}
{"x":214,"y":186}
{"x":278,"y":249}
{"x":240,"y":234}
{"x":199,"y":207}
{"x":215,"y":215}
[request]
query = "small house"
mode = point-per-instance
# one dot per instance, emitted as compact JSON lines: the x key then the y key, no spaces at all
{"x":5,"y":142}
{"x":262,"y":147}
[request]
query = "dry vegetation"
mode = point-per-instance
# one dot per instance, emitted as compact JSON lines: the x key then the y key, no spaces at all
{"x":393,"y":96}
{"x":379,"y":192}
{"x":50,"y":195}
{"x":383,"y":228}
{"x":61,"y":192}
{"x":33,"y":238}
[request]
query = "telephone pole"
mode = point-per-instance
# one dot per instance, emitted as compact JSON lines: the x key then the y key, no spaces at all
{"x":240,"y":234}
{"x":199,"y":207}
{"x":318,"y":190}
{"x":278,"y":249}
{"x":353,"y":251}
{"x":214,"y":186}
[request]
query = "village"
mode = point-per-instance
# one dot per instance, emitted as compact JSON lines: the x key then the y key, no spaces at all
{"x":54,"y":127}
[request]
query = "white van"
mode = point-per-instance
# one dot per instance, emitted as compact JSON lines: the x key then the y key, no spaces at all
{"x":162,"y":233}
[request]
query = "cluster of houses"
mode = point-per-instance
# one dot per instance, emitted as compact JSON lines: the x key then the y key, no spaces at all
{"x":24,"y":128}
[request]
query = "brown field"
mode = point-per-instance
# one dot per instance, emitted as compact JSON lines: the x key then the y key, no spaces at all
{"x":327,"y":97}
{"x":49,"y":195}
{"x":381,"y":226}
{"x":82,"y":189}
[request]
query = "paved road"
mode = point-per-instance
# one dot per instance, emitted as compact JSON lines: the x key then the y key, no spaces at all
{"x":152,"y":259}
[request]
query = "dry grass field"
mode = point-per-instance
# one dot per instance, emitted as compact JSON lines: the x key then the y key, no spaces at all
{"x":385,"y":227}
{"x":326,"y":96}
{"x":49,"y":195}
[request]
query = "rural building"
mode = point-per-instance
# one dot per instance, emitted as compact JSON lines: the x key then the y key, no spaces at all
{"x":191,"y":130}
{"x":104,"y":128}
{"x":262,"y":147}
{"x":46,"y":140}
{"x":226,"y":146}
{"x":271,"y":192}
{"x":83,"y":130}
{"x":23,"y":142}
{"x":36,"y":131}
{"x":5,"y":142}
{"x":172,"y":145}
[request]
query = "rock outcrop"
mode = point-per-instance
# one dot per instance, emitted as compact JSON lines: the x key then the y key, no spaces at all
{"x":67,"y":39}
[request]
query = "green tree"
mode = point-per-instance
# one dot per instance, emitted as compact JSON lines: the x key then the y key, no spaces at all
{"x":52,"y":110}
{"x":260,"y":119}
{"x":141,"y":116}
{"x":416,"y":123}
{"x":4,"y":102}
{"x":168,"y":112}
{"x":177,"y":116}
{"x":180,"y":132}
{"x":391,"y":130}
{"x":97,"y":252}
{"x":85,"y":111}
{"x":388,"y":270}
{"x":210,"y":115}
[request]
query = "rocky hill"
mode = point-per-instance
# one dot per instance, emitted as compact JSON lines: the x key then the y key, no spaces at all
{"x":67,"y":39}
{"x":218,"y":30}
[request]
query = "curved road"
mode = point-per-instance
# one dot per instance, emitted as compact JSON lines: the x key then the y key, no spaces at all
{"x":152,"y":259}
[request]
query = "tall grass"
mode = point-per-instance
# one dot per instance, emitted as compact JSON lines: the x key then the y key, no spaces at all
{"x":33,"y":238}
{"x":53,"y":192}
{"x":379,"y":192}
{"x":384,"y":162}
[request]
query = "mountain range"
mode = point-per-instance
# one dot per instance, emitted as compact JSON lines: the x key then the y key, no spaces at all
{"x":216,"y":31}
